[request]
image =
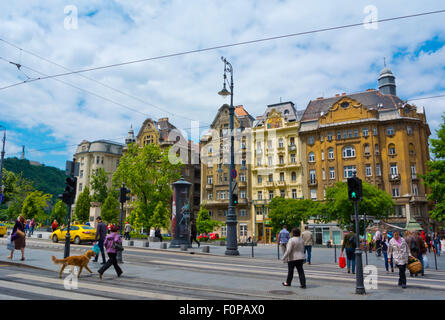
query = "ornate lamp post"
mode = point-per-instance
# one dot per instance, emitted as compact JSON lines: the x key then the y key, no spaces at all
{"x":232,"y":243}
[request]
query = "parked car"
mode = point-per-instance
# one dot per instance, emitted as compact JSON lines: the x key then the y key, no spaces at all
{"x":78,"y":233}
{"x":2,"y":229}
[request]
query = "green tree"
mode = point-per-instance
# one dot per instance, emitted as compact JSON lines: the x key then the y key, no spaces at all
{"x":99,"y":185}
{"x":204,"y":224}
{"x":34,"y":204}
{"x":59,"y":212}
{"x":434,"y":178}
{"x":290,"y":212}
{"x":17,"y":188}
{"x":148,"y":173}
{"x":83,"y":204}
{"x":338,"y":207}
{"x":110,"y":209}
{"x":161,"y":216}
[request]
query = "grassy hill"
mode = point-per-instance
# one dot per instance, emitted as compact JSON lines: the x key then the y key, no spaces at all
{"x":47,"y":179}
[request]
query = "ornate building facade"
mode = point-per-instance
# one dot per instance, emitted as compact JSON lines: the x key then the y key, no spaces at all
{"x":377,"y":136}
{"x":215,"y":157}
{"x":276,"y":162}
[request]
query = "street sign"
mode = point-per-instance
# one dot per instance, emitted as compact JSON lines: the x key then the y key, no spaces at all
{"x":234,"y":174}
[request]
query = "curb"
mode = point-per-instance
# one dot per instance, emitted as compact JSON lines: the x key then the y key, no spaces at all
{"x":18,"y":264}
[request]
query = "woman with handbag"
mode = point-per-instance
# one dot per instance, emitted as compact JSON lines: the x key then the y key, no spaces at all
{"x":349,"y":243}
{"x":400,"y":252}
{"x":112,"y":244}
{"x":18,"y":237}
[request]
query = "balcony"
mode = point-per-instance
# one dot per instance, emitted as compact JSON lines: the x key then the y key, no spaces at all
{"x":394,"y":178}
{"x":243,"y":201}
{"x":259,"y":151}
{"x":418,"y":199}
{"x":414,"y":177}
{"x":269,"y":184}
{"x":209,"y":186}
{"x":281,"y":183}
{"x":312,"y":182}
{"x":242,"y":183}
{"x":292,"y":147}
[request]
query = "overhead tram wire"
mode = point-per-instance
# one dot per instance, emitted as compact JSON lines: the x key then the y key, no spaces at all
{"x":227,"y":46}
{"x":94,"y":80}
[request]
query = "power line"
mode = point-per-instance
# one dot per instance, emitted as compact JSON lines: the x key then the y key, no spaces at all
{"x":94,"y":80}
{"x":226,"y":46}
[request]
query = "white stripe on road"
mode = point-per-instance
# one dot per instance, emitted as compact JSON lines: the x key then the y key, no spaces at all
{"x":120,"y":290}
{"x":9,"y":297}
{"x":46,"y":291}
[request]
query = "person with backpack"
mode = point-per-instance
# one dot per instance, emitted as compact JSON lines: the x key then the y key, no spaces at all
{"x":112,"y":243}
{"x":349,"y":243}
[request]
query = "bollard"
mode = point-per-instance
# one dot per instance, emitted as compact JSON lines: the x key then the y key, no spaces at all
{"x":146,"y":244}
{"x":252,"y":251}
{"x":335,"y":253}
{"x":39,"y":236}
{"x":206,"y":249}
{"x":435,"y":259}
{"x":163,"y":245}
{"x":184,"y":247}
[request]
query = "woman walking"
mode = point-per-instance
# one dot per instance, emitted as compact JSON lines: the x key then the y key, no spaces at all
{"x":112,"y":238}
{"x":349,"y":243}
{"x":19,"y":237}
{"x":193,"y":233}
{"x":294,"y":256}
{"x":385,"y":246}
{"x":436,"y":243}
{"x":399,"y":250}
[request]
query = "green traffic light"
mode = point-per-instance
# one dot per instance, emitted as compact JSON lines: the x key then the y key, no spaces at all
{"x":353,"y":195}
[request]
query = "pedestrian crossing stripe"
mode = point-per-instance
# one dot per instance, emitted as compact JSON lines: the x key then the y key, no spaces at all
{"x":109,"y":289}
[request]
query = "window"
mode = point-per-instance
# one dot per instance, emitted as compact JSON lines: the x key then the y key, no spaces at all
{"x":269,"y":144}
{"x":348,"y":152}
{"x":395,"y":192}
{"x":321,"y":137}
{"x":338,"y":135}
{"x":349,"y":171}
{"x":374,"y":131}
{"x":260,"y":195}
{"x":243,"y":213}
{"x":282,"y":194}
{"x":270,"y":195}
{"x":271,"y":177}
{"x":409,"y":130}
{"x":242,"y":194}
{"x":311,"y":157}
{"x":260,"y":179}
{"x":376,"y":148}
{"x":413,"y":171}
{"x":331,"y":153}
{"x":366,"y":149}
{"x":97,"y":160}
{"x":411,"y":149}
{"x":80,"y":187}
{"x":312,"y":176}
{"x":314,"y":194}
{"x":242,"y":228}
{"x":209,"y":196}
{"x":258,"y":162}
{"x":81,"y":174}
{"x":345,"y":134}
{"x":223,"y":195}
{"x":294,"y":193}
{"x":242,"y":177}
{"x":294,"y":177}
{"x":280,"y":143}
{"x":209,"y":179}
{"x":378,"y":172}
{"x":349,"y":133}
{"x":368,"y":170}
{"x":390,"y":131}
{"x":415,"y":190}
{"x":282,"y":176}
{"x":269,"y":160}
{"x":365,"y":132}
{"x":281,"y":160}
{"x":292,"y":158}
{"x":355,"y":133}
{"x":329,"y":136}
{"x":243,"y":163}
{"x":391,"y":149}
{"x":310,"y":140}
{"x":292,"y":141}
{"x":225,"y":177}
{"x":322,"y":155}
{"x":332,"y":173}
{"x":323,"y":174}
{"x":393,"y":169}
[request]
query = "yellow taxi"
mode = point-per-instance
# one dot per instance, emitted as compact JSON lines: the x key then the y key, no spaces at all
{"x":2,"y":229}
{"x":78,"y":233}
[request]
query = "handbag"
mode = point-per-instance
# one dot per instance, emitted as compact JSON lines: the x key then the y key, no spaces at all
{"x":10,"y":244}
{"x":414,"y":265}
{"x":342,"y":261}
{"x":96,"y":249}
{"x":117,"y":246}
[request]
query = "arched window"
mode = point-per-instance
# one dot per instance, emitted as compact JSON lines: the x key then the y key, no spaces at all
{"x":311,"y":157}
{"x":331,"y":153}
{"x":348,"y":152}
{"x":391,"y":149}
{"x":294,"y":176}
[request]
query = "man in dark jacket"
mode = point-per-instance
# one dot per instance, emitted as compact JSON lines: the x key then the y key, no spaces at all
{"x":417,"y":247}
{"x":101,"y":233}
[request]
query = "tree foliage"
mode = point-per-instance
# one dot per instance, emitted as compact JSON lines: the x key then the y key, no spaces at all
{"x":60,"y":212}
{"x":148,"y":173}
{"x":434,"y":179}
{"x":34,"y":204}
{"x":83,"y":204}
{"x":17,"y":188}
{"x":161,"y":216}
{"x":99,"y":185}
{"x":110,"y":209}
{"x":290,"y":212}
{"x":338,"y":207}
{"x":204,"y":224}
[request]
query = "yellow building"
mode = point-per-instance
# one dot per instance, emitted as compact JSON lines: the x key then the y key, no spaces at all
{"x":276,"y":165}
{"x":373,"y":134}
{"x":215,"y":158}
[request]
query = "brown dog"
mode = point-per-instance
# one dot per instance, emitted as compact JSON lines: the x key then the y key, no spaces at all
{"x":78,"y":261}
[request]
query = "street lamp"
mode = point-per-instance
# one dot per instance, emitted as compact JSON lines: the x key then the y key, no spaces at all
{"x":232,"y":242}
{"x":1,"y":164}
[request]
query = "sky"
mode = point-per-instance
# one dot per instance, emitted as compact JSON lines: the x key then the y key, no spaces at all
{"x":51,"y":117}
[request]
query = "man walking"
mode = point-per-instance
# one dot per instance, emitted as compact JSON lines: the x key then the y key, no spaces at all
{"x":101,"y":233}
{"x":308,"y":239}
{"x":127,"y":230}
{"x":378,"y":242}
{"x":283,"y":238}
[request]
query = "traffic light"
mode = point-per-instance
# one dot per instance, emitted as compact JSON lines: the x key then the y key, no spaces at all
{"x":69,"y":194}
{"x":235,"y":199}
{"x":354,"y":188}
{"x":123,"y":195}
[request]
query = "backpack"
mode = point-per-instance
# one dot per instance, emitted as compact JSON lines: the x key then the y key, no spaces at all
{"x":413,"y":245}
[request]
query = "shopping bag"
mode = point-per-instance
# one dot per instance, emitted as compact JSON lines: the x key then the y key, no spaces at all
{"x":10,"y":244}
{"x":342,"y":261}
{"x":96,"y":249}
{"x":426,"y":264}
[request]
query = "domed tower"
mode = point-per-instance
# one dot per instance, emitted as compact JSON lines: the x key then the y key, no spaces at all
{"x":130,"y":138}
{"x":387,"y":82}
